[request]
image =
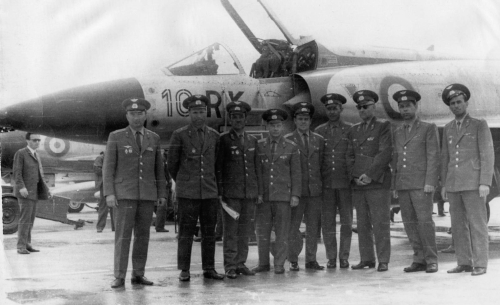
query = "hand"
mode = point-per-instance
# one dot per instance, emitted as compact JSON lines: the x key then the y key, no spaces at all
{"x":259,"y":200}
{"x":162,"y":202}
{"x":484,"y":190}
{"x":49,"y":194}
{"x":24,"y":192}
{"x":294,"y":201}
{"x":428,"y":188}
{"x":443,"y":193}
{"x":395,"y":194}
{"x":365,"y":179}
{"x":111,"y":201}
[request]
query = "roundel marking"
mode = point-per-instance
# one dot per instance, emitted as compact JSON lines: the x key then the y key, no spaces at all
{"x":56,"y":147}
{"x":385,"y":85}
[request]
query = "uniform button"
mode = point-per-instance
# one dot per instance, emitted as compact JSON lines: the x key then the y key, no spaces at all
{"x":404,"y":159}
{"x":271,"y":183}
{"x":404,"y":165}
{"x":247,"y":175}
{"x":271,"y":169}
{"x":201,"y":176}
{"x":456,"y":153}
{"x":456,"y":165}
{"x":456,"y":159}
{"x":140,"y":178}
{"x":404,"y":147}
{"x":141,"y":170}
{"x":271,"y":176}
{"x":333,"y":150}
{"x":457,"y":146}
{"x":246,"y":161}
{"x":202,"y":169}
{"x":245,"y":155}
{"x":140,"y":157}
{"x":246,"y":167}
{"x":142,"y":163}
{"x":333,"y":168}
{"x":404,"y":153}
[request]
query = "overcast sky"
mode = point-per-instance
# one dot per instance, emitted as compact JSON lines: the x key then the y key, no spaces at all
{"x":46,"y":46}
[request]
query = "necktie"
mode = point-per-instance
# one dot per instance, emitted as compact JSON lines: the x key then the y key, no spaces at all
{"x":241,"y":139}
{"x":407,"y":131}
{"x":138,"y":140}
{"x":306,"y":143}
{"x":273,"y":148}
{"x":201,"y":136}
{"x":458,"y":126}
{"x":35,"y":155}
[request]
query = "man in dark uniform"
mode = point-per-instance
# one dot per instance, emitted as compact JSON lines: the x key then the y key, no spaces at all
{"x":415,"y":177}
{"x":369,"y":155}
{"x":29,"y":187}
{"x":134,"y":180}
{"x":467,"y":160}
{"x":237,"y":180}
{"x":311,"y":146}
{"x":279,"y":181}
{"x":103,"y":209}
{"x":191,"y":163}
{"x":336,"y":183}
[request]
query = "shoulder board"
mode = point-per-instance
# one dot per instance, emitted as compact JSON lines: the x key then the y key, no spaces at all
{"x":357,"y":124}
{"x":317,"y":134}
{"x":262,"y":140}
{"x":321,"y":126}
{"x":449,"y":123}
{"x":347,"y":124}
{"x":380,"y":120}
{"x":118,"y":131}
{"x":291,"y":142}
{"x":183,"y":128}
{"x":288,"y":135}
{"x":212,"y":130}
{"x":151,"y":132}
{"x":224,"y":133}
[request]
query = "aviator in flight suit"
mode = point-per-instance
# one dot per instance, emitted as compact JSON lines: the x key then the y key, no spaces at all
{"x":336,"y":190}
{"x":279,"y":178}
{"x":416,"y":158}
{"x":467,"y":160}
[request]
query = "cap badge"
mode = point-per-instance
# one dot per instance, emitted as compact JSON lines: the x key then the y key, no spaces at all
{"x":134,"y":106}
{"x":304,"y":110}
{"x":404,"y":98}
{"x":361,"y":98}
{"x":198,"y":103}
{"x":274,"y":117}
{"x":237,"y":108}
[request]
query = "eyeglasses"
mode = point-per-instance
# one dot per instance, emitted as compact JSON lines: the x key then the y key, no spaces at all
{"x":35,"y":140}
{"x":359,"y":107}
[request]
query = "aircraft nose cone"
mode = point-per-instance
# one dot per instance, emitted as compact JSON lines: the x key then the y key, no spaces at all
{"x":85,"y":114}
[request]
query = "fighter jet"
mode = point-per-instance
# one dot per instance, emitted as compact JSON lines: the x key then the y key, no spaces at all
{"x":289,"y":70}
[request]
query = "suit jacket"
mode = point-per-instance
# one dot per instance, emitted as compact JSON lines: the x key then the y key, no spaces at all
{"x":98,"y":163}
{"x":236,"y":172}
{"x":334,"y":166}
{"x":467,"y":157}
{"x":191,"y":165}
{"x":279,"y":177}
{"x":28,"y":173}
{"x":416,"y":157}
{"x":132,"y":174}
{"x":375,"y":144}
{"x":310,"y":161}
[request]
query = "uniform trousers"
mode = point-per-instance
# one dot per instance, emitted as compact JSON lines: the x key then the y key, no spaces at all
{"x":469,"y":228}
{"x":333,"y":200}
{"x":373,"y":218}
{"x":271,"y":214}
{"x":189,"y":212}
{"x":161,"y":216}
{"x":102,"y":214}
{"x":310,"y":208}
{"x":26,"y":221}
{"x":237,"y":232}
{"x":132,"y":215}
{"x":416,"y":211}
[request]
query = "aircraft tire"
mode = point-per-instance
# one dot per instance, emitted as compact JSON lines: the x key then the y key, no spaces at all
{"x":10,"y":215}
{"x":75,"y":207}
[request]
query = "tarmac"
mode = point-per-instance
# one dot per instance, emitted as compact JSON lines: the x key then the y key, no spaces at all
{"x":76,"y":267}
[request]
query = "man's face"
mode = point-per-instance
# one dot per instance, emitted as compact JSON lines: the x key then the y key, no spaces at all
{"x":366,"y":111}
{"x":275,"y":128}
{"x":333,"y":112}
{"x":408,"y":110}
{"x":238,"y":121}
{"x":34,"y":141}
{"x":198,"y":116}
{"x":303,"y":122}
{"x":136,"y":119}
{"x":458,"y":106}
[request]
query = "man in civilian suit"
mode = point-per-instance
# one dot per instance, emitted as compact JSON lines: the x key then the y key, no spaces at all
{"x":415,"y":177}
{"x":369,"y":155}
{"x":311,"y":146}
{"x":29,"y":187}
{"x":237,"y":180}
{"x":102,"y":212}
{"x":134,"y":180}
{"x":279,"y":180}
{"x":191,"y":163}
{"x":336,"y":183}
{"x":467,"y":160}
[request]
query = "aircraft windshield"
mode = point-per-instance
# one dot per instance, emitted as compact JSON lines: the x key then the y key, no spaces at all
{"x":213,"y":60}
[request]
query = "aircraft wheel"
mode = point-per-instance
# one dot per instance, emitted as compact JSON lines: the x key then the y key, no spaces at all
{"x":75,"y":207}
{"x":11,"y":214}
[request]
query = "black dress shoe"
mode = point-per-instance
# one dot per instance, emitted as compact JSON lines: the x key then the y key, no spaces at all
{"x":118,"y":283}
{"x":141,"y":280}
{"x":332,"y":264}
{"x":478,"y":271}
{"x":431,"y":268}
{"x":415,"y":267}
{"x":314,"y":265}
{"x":161,"y":230}
{"x":344,"y":263}
{"x":261,"y":268}
{"x":212,"y":274}
{"x":279,"y":270}
{"x":383,"y":267}
{"x":460,"y":268}
{"x":31,"y":249}
{"x":185,"y":276}
{"x":363,"y":264}
{"x":244,"y":270}
{"x":231,"y":274}
{"x":450,"y":249}
{"x":23,"y":251}
{"x":294,"y":266}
